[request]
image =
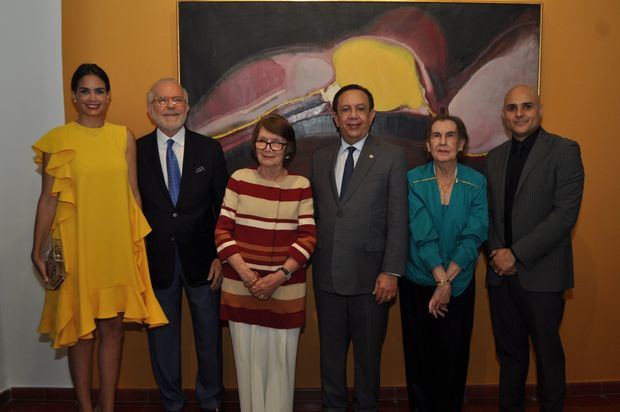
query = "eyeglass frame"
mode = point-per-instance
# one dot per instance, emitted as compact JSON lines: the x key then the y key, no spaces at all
{"x":163,"y":101}
{"x":269,"y":143}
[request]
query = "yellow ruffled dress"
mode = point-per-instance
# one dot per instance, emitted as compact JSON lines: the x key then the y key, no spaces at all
{"x":102,"y":230}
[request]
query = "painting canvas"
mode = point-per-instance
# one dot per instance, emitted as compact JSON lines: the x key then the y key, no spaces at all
{"x":242,"y":60}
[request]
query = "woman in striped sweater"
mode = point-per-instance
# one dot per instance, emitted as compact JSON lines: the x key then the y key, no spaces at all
{"x":264,"y":236}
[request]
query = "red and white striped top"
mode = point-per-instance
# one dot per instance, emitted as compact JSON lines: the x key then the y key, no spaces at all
{"x":266,"y":222}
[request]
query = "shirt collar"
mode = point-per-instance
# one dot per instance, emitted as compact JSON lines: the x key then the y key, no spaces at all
{"x":179,"y":137}
{"x":526,"y":143}
{"x":358,"y":145}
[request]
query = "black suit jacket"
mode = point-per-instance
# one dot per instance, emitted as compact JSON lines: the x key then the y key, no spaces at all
{"x":188,"y":227}
{"x":544,"y":211}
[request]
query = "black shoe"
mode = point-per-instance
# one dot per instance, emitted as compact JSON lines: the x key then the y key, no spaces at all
{"x":176,"y":410}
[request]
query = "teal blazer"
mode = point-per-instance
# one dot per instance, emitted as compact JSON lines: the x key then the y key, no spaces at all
{"x":441,"y":234}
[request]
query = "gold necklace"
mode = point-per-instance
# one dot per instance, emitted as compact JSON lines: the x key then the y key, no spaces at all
{"x":445,"y":187}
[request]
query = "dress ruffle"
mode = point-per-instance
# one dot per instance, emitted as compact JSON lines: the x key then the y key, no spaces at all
{"x":58,"y":167}
{"x":69,"y":315}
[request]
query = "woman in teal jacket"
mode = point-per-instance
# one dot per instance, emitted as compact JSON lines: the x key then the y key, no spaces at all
{"x":448,"y":221}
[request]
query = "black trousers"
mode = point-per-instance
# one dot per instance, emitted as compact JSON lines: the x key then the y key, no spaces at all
{"x":517,"y":315}
{"x":165,"y":344}
{"x":436,"y":350}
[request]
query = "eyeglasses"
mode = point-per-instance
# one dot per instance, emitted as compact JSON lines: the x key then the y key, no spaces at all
{"x":274,"y":145}
{"x":165,"y":100}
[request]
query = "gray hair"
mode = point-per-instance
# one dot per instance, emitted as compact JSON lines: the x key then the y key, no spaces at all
{"x":150,"y":95}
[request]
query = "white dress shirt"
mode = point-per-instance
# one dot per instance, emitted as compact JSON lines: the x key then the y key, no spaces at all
{"x":178,"y":149}
{"x":343,"y":153}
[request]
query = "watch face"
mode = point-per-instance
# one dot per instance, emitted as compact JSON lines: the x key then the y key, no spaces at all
{"x":287,"y":274}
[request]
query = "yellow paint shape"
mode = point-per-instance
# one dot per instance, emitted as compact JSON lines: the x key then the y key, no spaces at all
{"x":388,"y":70}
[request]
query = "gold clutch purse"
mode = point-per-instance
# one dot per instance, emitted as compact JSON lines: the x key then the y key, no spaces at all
{"x":55,"y":264}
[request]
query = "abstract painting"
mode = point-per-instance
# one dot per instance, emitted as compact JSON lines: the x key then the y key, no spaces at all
{"x":242,"y":60}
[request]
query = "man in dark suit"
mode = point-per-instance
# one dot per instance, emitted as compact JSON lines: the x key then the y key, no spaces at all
{"x":535,"y":183}
{"x":360,"y":192}
{"x":182,"y":178}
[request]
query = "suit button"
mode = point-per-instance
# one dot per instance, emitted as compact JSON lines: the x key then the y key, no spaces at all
{"x":175,"y":214}
{"x":172,"y":239}
{"x":339,"y":213}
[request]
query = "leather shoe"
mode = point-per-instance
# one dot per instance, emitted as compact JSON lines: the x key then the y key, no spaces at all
{"x":176,"y":410}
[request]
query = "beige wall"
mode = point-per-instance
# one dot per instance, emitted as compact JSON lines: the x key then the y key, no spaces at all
{"x":136,"y":42}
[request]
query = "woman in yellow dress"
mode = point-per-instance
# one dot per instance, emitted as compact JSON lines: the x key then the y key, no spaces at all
{"x":89,"y":201}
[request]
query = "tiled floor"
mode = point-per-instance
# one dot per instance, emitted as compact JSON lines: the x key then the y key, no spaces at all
{"x":609,"y":403}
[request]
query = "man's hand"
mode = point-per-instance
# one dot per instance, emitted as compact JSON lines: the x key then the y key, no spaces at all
{"x":503,"y":262}
{"x":386,"y":287}
{"x":215,"y":274}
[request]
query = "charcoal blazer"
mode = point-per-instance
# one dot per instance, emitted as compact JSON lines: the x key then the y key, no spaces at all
{"x":189,"y":226}
{"x":544,"y":211}
{"x":367,"y":232}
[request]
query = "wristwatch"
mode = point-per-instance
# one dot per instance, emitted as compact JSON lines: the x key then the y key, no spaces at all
{"x":287,"y":274}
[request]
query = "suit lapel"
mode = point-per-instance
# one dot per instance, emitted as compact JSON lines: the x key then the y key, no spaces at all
{"x":333,"y":156}
{"x":362,"y":166}
{"x":155,"y":163}
{"x":502,"y":166}
{"x":539,"y":150}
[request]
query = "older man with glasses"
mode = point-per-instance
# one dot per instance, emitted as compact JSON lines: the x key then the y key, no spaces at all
{"x":182,"y":178}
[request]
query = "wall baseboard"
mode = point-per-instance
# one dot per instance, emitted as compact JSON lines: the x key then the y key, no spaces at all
{"x":5,"y":397}
{"x":302,"y":395}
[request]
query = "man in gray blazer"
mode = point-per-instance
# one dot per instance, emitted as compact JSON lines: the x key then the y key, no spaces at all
{"x":360,"y":193}
{"x":535,"y":183}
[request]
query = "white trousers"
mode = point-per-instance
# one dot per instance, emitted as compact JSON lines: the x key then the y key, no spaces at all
{"x":265,"y":360}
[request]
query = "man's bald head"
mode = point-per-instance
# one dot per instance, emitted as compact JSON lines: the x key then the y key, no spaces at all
{"x":522,"y":111}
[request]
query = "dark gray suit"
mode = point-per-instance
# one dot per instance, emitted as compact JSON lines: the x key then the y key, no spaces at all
{"x":357,"y":239}
{"x":544,"y":211}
